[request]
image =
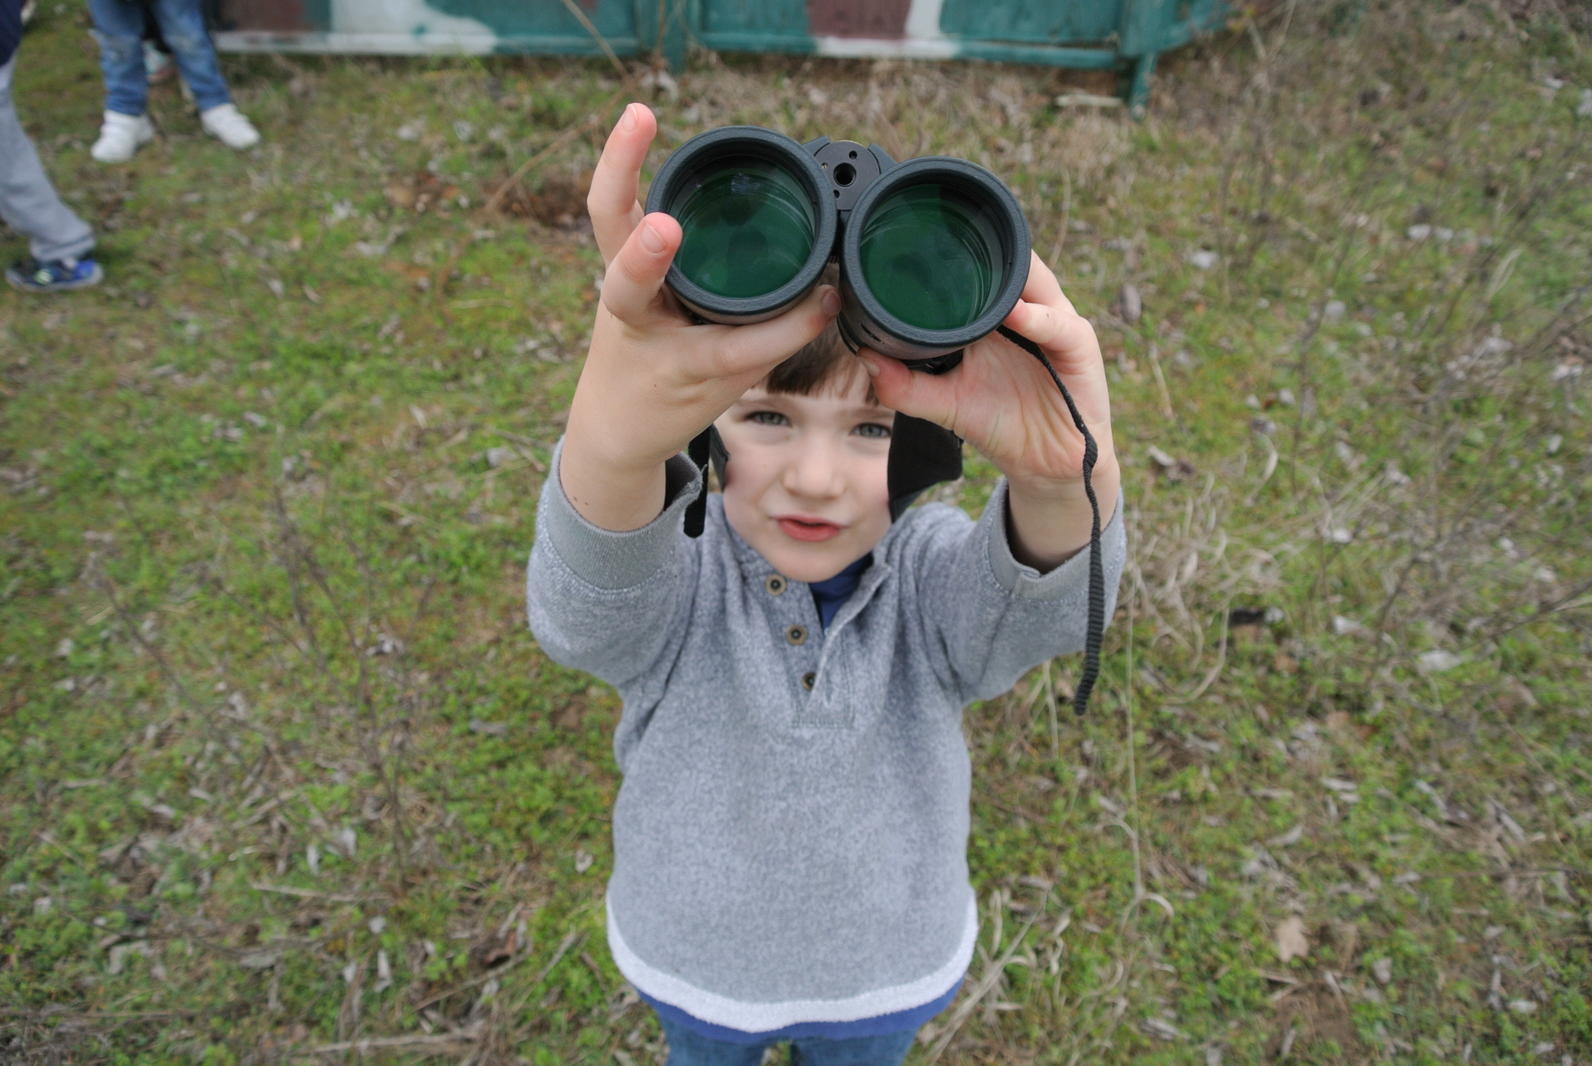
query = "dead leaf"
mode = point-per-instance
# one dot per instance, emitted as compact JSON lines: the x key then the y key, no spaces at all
{"x":400,"y":195}
{"x":1130,"y":306}
{"x":1291,"y":941}
{"x":1436,"y":661}
{"x":1172,"y":469}
{"x":494,"y":951}
{"x":419,"y":192}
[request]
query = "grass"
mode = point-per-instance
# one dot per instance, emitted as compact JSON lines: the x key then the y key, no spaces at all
{"x":287,"y":780}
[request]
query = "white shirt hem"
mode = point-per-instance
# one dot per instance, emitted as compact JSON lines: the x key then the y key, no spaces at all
{"x":766,"y":1017}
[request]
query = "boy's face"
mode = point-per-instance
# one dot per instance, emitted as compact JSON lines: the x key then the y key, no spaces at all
{"x":807,"y":481}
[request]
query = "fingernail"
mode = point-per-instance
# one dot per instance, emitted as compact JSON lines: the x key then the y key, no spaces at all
{"x":830,"y":302}
{"x":870,"y":366}
{"x":651,"y":239}
{"x":627,"y":121}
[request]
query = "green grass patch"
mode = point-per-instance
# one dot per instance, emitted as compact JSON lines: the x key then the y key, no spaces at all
{"x":286,"y":771}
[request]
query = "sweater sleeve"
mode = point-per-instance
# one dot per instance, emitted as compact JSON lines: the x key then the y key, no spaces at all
{"x":607,"y":602}
{"x":991,"y":618}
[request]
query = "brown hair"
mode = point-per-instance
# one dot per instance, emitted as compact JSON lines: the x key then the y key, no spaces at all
{"x":822,"y":363}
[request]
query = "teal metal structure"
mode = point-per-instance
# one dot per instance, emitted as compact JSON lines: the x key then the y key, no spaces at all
{"x":1121,"y":35}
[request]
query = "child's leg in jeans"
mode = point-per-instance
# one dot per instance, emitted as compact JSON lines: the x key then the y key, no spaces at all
{"x":687,"y":1048}
{"x":119,"y":28}
{"x":183,"y":26}
{"x":887,"y":1050}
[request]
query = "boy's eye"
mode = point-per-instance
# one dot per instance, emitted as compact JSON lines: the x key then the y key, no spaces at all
{"x":768,"y":418}
{"x":873,"y":430}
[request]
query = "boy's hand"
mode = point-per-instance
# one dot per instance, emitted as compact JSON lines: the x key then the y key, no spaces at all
{"x":652,"y":380}
{"x":1003,"y":402}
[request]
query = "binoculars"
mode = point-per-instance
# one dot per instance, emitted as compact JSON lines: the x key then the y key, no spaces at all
{"x":933,"y":252}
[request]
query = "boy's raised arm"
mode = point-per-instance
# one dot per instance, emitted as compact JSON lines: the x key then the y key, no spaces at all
{"x":652,"y":379}
{"x":1004,"y":403}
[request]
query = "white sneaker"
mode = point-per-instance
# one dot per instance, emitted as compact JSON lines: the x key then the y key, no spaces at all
{"x":227,"y":124}
{"x":120,"y":137}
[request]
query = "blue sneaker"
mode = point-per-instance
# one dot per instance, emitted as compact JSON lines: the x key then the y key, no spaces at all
{"x":58,"y":275}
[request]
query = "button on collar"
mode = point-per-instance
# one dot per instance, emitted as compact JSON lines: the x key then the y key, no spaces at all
{"x":775,"y":584}
{"x":796,"y":634}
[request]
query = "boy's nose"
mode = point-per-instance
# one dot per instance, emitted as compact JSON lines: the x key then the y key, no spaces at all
{"x":814,"y":472}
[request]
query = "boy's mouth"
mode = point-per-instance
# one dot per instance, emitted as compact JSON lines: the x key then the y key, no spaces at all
{"x":810,"y":529}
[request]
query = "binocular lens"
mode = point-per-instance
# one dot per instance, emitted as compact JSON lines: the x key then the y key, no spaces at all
{"x":932,"y":256}
{"x":749,"y":227}
{"x":933,"y":252}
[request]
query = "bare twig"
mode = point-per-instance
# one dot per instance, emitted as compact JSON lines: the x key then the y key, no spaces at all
{"x":1574,"y":600}
{"x":304,"y":893}
{"x":569,"y":941}
{"x":467,"y":1035}
{"x":987,"y":981}
{"x":596,"y":35}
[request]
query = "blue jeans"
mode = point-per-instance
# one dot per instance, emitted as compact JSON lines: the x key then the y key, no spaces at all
{"x":687,"y":1048}
{"x":119,"y":27}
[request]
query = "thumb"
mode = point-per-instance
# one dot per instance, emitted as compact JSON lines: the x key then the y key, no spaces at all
{"x":630,"y":287}
{"x":931,"y":397}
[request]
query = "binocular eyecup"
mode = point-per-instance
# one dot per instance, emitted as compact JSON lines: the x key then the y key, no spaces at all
{"x":933,"y":252}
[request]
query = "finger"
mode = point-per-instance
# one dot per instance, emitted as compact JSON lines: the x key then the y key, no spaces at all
{"x":630,"y":288}
{"x":1066,"y":336}
{"x":931,"y":397}
{"x":611,"y":201}
{"x":1070,"y":345}
{"x":1047,"y":317}
{"x":761,"y":346}
{"x":1042,"y":286}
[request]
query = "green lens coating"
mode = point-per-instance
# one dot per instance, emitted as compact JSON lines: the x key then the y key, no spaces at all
{"x":930,"y":255}
{"x":748,"y":227}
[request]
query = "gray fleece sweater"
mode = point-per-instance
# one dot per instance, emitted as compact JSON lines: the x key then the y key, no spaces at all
{"x":790,"y":837}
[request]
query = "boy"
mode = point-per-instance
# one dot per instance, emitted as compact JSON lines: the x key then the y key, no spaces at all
{"x":790,"y":837}
{"x":59,"y":241}
{"x":119,"y":27}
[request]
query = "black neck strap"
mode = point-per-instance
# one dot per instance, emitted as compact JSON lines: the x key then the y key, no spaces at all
{"x":1094,"y":633}
{"x":698,"y":451}
{"x":922,"y":454}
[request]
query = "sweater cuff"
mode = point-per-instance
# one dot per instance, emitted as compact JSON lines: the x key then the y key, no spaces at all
{"x":605,"y":558}
{"x":1025,"y":582}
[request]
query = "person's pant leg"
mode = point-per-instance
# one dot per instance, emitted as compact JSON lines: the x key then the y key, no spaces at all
{"x":152,"y":33}
{"x":119,"y":28}
{"x":28,"y":202}
{"x":887,"y":1050}
{"x":687,"y":1048}
{"x":182,"y":24}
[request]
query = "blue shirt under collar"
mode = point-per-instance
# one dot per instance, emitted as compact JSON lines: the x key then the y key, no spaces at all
{"x":831,"y":592}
